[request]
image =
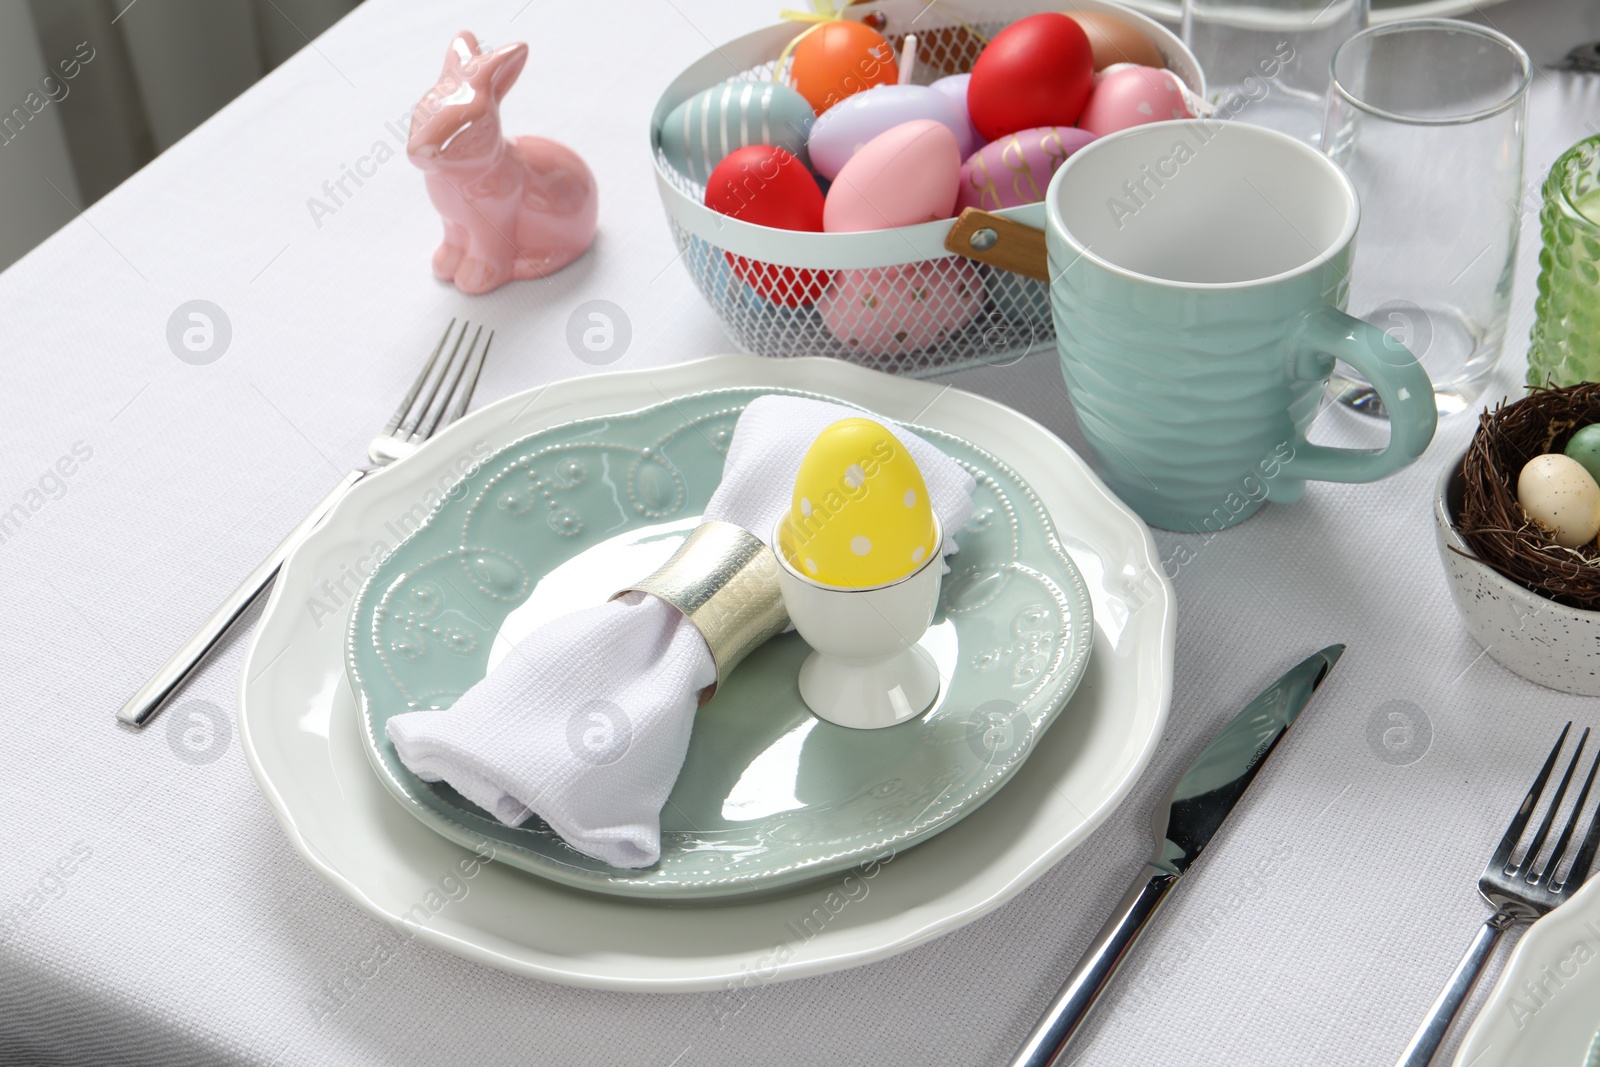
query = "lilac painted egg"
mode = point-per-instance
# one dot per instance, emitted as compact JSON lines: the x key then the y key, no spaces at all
{"x":1016,"y":169}
{"x":847,"y":126}
{"x":955,"y":87}
{"x":894,"y":310}
{"x":1132,"y":97}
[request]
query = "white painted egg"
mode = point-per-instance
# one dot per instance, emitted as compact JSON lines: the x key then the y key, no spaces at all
{"x":1556,"y":492}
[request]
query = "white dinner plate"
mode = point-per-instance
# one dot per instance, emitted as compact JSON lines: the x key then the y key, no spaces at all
{"x":298,"y":724}
{"x":1546,"y":1006}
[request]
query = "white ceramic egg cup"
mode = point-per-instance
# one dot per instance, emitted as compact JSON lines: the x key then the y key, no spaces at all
{"x":866,"y":670}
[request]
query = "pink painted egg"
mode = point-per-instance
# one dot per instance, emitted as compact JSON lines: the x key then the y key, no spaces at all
{"x":901,"y":177}
{"x":894,"y":310}
{"x":1016,"y":169}
{"x":1130,"y":97}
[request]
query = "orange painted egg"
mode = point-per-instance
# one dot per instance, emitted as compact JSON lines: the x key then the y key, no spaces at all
{"x":839,"y":59}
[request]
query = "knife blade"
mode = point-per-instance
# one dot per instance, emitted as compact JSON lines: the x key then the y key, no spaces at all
{"x":1184,"y":823}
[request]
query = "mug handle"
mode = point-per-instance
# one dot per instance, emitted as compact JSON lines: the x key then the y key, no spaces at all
{"x":1402,"y":385}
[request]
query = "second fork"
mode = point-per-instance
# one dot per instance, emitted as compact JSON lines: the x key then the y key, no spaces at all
{"x":1518,"y":891}
{"x":434,"y":400}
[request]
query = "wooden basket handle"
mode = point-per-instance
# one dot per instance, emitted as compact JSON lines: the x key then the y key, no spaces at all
{"x":999,"y":242}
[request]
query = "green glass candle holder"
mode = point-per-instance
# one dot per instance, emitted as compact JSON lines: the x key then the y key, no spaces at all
{"x":1565,"y":347}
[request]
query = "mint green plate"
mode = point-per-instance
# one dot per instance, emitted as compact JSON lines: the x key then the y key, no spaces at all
{"x":770,"y":796}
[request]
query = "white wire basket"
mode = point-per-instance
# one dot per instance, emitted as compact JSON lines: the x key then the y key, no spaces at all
{"x":894,"y":300}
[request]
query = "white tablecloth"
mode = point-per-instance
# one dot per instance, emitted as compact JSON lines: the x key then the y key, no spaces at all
{"x":151,"y":911}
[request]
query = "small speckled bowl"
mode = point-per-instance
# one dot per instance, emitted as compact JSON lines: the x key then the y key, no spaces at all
{"x":1544,"y":642}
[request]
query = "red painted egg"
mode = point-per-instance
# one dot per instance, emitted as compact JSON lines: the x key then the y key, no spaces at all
{"x":1036,"y":72}
{"x":839,"y":59}
{"x":767,"y":186}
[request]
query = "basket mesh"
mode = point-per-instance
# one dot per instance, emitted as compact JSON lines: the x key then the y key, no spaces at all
{"x":919,"y":318}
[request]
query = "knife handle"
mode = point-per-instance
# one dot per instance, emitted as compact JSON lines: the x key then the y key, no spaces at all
{"x":1046,"y":1045}
{"x":143,"y":705}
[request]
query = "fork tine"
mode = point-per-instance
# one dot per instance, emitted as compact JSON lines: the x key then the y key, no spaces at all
{"x":1519,"y":821}
{"x":413,"y":422}
{"x":416,"y":386}
{"x":455,"y":374}
{"x":465,"y":397}
{"x":1549,"y":873}
{"x":1591,"y":841}
{"x":1528,"y":861}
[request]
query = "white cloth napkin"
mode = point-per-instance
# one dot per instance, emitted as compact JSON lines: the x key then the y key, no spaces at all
{"x":586,"y":724}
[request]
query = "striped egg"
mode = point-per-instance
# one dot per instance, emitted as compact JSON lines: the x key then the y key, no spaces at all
{"x":703,"y":130}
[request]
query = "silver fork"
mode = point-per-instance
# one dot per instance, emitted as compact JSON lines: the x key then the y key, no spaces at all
{"x":1518,"y":891}
{"x":434,"y":400}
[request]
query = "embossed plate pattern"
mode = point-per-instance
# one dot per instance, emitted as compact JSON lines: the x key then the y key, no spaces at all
{"x":770,"y":796}
{"x":300,"y":728}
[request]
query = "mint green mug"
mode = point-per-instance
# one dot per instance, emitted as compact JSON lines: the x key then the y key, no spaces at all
{"x":1198,"y":274}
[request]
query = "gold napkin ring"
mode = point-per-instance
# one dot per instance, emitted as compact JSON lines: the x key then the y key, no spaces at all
{"x":724,"y":580}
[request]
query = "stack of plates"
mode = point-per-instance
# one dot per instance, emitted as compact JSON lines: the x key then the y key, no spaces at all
{"x":787,"y":843}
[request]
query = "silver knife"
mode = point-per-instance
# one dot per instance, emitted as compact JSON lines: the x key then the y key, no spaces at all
{"x":1184,"y":823}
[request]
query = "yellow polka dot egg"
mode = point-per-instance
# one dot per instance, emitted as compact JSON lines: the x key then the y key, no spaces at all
{"x":860,"y":515}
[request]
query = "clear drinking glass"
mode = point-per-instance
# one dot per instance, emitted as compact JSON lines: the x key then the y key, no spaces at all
{"x":1565,"y":348}
{"x":1266,"y":61}
{"x":1427,"y":118}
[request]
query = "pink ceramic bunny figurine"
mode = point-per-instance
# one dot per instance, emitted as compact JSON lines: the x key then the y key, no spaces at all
{"x":512,"y":209}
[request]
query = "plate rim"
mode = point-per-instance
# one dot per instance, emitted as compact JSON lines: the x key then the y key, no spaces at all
{"x":1540,"y":944}
{"x":1074,"y":663}
{"x":710,"y":972}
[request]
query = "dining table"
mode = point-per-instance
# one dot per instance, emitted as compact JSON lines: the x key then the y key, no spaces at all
{"x":152,"y":908}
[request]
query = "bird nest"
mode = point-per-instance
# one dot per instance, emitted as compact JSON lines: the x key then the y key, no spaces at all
{"x":1494,"y":525}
